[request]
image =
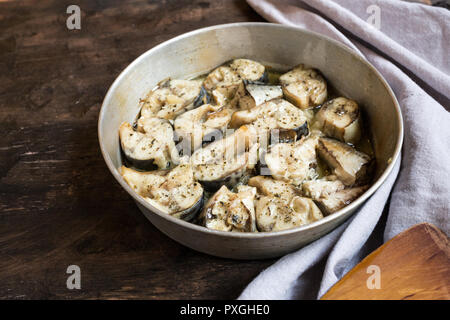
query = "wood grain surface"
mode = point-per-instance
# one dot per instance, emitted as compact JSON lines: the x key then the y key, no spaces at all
{"x":414,"y":265}
{"x":59,"y":205}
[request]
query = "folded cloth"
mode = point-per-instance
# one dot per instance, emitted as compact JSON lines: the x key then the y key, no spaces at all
{"x":409,"y":44}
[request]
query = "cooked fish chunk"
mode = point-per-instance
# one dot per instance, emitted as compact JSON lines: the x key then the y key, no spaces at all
{"x":244,"y":97}
{"x":273,"y":214}
{"x":226,"y":172}
{"x":233,"y":144}
{"x":321,"y":188}
{"x":304,"y":87}
{"x":335,"y":201}
{"x":248,"y":69}
{"x":274,"y":114}
{"x":152,"y":144}
{"x":198,"y":124}
{"x":229,"y":95}
{"x":221,"y":76}
{"x":348,"y":164}
{"x":171,"y":99}
{"x":229,"y":211}
{"x":245,"y":102}
{"x":174,"y":191}
{"x":262,"y":93}
{"x":268,"y":186}
{"x":218,"y":119}
{"x":309,"y":93}
{"x":293,"y":162}
{"x":300,"y":73}
{"x":226,"y":160}
{"x":340,"y":118}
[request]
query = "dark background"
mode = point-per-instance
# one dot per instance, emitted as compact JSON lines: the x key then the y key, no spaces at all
{"x":59,"y":205}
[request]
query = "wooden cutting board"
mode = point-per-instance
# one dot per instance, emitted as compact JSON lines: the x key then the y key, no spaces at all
{"x":414,"y":265}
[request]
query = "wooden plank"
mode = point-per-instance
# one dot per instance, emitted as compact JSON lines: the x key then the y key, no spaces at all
{"x":414,"y":265}
{"x":59,"y":205}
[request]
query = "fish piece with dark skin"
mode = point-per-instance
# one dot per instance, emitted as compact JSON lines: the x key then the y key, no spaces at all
{"x":198,"y":124}
{"x":320,"y":188}
{"x":293,"y":162}
{"x":268,"y":186}
{"x":274,"y":214}
{"x":226,"y":160}
{"x":171,"y":98}
{"x":230,"y":211}
{"x":279,"y":206}
{"x":304,"y":87}
{"x":349,"y":165}
{"x":333,"y":202}
{"x":261,"y":93}
{"x":151,"y":144}
{"x":276,"y":116}
{"x":340,"y":119}
{"x":173,"y":191}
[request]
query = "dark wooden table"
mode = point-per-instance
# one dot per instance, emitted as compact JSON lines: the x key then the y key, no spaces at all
{"x":59,"y":205}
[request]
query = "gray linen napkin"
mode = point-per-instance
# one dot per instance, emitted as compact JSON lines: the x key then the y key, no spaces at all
{"x":409,"y":44}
